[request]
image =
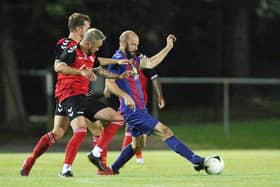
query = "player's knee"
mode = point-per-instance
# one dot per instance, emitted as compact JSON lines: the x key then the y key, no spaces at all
{"x":167,"y":132}
{"x":58,"y":133}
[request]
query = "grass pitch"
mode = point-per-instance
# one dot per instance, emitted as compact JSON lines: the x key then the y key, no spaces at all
{"x":256,"y":168}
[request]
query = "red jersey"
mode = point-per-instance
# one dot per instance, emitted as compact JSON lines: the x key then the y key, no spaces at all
{"x":71,"y":85}
{"x":144,"y":75}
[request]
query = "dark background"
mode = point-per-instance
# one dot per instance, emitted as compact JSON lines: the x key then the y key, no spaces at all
{"x":215,"y":38}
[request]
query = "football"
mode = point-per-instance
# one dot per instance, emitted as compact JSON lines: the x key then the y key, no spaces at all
{"x":214,"y":165}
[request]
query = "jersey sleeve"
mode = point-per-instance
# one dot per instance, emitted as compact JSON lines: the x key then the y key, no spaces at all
{"x":68,"y":55}
{"x":150,"y":73}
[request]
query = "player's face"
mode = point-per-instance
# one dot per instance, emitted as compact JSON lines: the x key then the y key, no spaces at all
{"x":96,"y":46}
{"x":132,"y":46}
{"x":84,"y":28}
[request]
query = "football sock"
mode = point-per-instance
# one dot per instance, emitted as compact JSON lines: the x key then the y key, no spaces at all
{"x":126,"y":154}
{"x":104,"y":157}
{"x":95,"y":140}
{"x":96,"y":151}
{"x":43,"y":145}
{"x":127,"y":139}
{"x":183,"y":150}
{"x":138,"y":154}
{"x":74,"y":144}
{"x":108,"y":133}
{"x":66,"y":167}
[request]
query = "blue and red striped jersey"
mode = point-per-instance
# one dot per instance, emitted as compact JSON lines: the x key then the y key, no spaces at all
{"x":131,"y":85}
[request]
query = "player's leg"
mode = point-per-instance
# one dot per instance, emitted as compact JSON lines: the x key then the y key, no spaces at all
{"x":127,"y":140}
{"x":74,"y":106}
{"x":176,"y":145}
{"x":61,"y":123}
{"x":96,"y":129}
{"x":127,"y":153}
{"x":127,"y":137}
{"x":116,"y":122}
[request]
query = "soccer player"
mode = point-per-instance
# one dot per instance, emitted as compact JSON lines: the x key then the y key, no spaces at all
{"x":140,"y":122}
{"x":78,"y":24}
{"x":144,"y":76}
{"x":78,"y":66}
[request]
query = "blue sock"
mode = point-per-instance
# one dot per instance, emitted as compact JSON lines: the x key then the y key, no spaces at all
{"x":183,"y":150}
{"x":126,"y":154}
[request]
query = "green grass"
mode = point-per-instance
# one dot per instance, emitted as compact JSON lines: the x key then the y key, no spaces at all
{"x":262,"y":134}
{"x":243,"y":168}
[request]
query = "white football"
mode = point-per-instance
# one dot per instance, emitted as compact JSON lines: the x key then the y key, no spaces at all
{"x":214,"y":165}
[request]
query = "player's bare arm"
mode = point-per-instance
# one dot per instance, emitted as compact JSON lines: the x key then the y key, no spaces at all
{"x":61,"y":67}
{"x":106,"y":61}
{"x":158,"y":89}
{"x":109,"y":75}
{"x":155,"y":60}
{"x":114,"y":88}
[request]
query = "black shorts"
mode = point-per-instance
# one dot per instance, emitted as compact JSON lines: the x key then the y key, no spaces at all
{"x":82,"y":105}
{"x":59,"y":109}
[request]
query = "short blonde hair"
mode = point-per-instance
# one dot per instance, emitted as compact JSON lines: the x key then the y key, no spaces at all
{"x":93,"y":35}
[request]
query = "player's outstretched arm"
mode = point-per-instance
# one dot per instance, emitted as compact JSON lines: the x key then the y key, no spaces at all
{"x":106,"y":61}
{"x":109,"y":75}
{"x":155,"y":60}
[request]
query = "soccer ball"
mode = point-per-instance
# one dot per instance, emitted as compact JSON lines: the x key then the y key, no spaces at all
{"x":214,"y":165}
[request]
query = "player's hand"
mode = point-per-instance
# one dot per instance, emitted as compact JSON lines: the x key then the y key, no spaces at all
{"x":161,"y":102}
{"x":170,"y":41}
{"x":126,"y":74}
{"x":106,"y":93}
{"x":129,"y":102}
{"x":123,"y":61}
{"x":88,"y":73}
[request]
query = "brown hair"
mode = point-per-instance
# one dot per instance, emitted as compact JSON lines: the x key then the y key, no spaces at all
{"x":77,"y":20}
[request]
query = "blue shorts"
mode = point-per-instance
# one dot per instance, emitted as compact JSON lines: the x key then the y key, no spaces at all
{"x":140,"y":122}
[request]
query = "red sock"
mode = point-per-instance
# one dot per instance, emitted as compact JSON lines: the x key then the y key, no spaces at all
{"x":108,"y":133}
{"x":74,"y":144}
{"x":43,"y":145}
{"x":104,"y":157}
{"x":127,"y":139}
{"x":138,"y":154}
{"x":95,"y":140}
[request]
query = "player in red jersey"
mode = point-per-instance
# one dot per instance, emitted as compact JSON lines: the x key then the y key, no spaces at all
{"x":78,"y":66}
{"x":78,"y":24}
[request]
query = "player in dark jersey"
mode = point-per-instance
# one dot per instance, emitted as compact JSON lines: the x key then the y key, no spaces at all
{"x":78,"y":24}
{"x":78,"y":66}
{"x":140,"y":122}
